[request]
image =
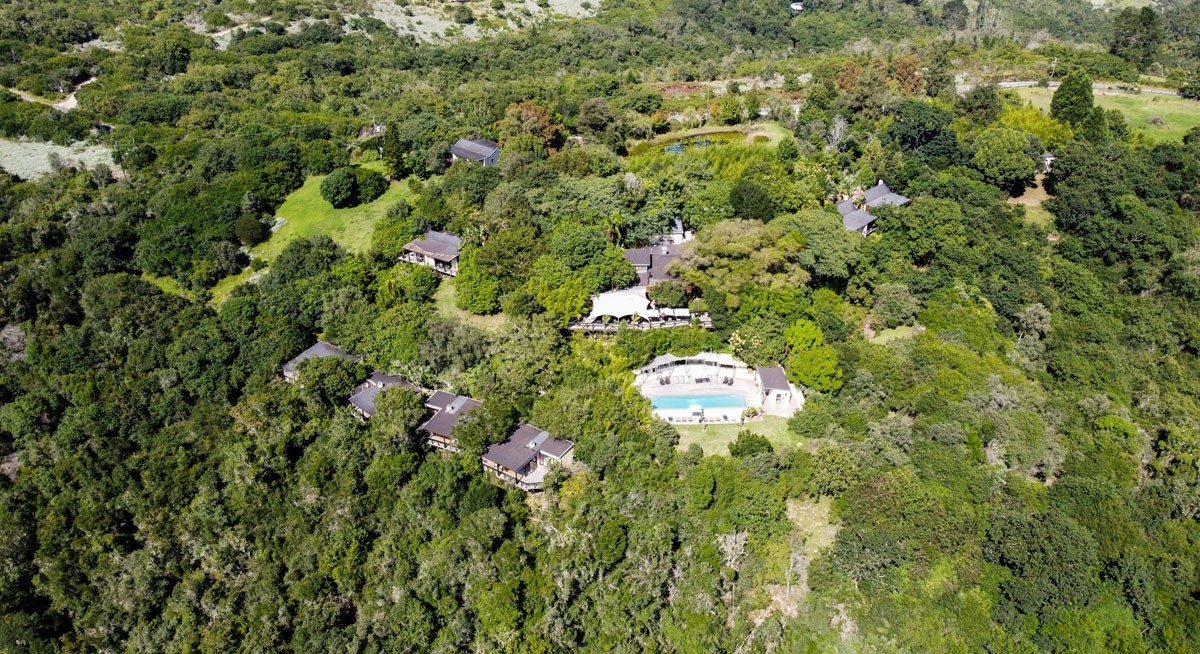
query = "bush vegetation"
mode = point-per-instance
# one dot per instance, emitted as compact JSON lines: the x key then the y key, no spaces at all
{"x":1016,"y":474}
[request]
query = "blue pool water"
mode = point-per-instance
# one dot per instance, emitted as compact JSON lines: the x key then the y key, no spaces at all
{"x":717,"y":401}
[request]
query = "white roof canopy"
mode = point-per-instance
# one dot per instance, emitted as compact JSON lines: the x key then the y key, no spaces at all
{"x":620,"y":304}
{"x":720,"y":359}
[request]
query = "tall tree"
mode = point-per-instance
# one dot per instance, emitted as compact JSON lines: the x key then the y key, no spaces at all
{"x":1072,"y":102}
{"x":1007,"y":158}
{"x":531,"y":119}
{"x":394,"y":161}
{"x":1137,"y":36}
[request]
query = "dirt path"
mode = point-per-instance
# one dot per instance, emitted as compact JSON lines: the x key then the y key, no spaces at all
{"x":1098,"y":86}
{"x":27,"y":97}
{"x":66,"y":104}
{"x":70,"y":102}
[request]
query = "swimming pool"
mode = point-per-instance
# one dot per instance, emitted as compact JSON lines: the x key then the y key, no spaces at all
{"x":715,"y":401}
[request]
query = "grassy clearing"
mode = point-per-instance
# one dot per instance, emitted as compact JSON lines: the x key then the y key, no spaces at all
{"x":444,"y":301}
{"x":885,"y":336}
{"x":1178,"y":114}
{"x":221,"y":291}
{"x":168,"y":285}
{"x":718,"y":134}
{"x":813,"y":518}
{"x":308,"y":214}
{"x":773,"y":131}
{"x":1039,"y":216}
{"x":715,"y":439}
{"x":1032,"y":201}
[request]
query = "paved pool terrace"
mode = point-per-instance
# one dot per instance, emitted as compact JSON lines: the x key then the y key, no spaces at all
{"x":714,"y":387}
{"x":714,"y":401}
{"x":717,"y":402}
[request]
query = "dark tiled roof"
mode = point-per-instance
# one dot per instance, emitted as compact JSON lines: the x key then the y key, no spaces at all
{"x":773,"y":378}
{"x":846,"y":207}
{"x":857,"y":219}
{"x":891,"y":199}
{"x":638,"y":256}
{"x":876,"y":192}
{"x":439,"y":245}
{"x":384,"y":379}
{"x":474,"y":149}
{"x":880,"y":195}
{"x":364,"y":395}
{"x":557,"y":447}
{"x":439,"y":400}
{"x":444,"y":421}
{"x":321,"y":349}
{"x":364,"y":399}
{"x":655,"y":258}
{"x":523,"y":446}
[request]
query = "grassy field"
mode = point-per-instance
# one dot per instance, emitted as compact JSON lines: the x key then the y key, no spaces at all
{"x":885,"y":336}
{"x":715,"y":439}
{"x":221,"y":291}
{"x":773,"y":131}
{"x":1032,"y":201}
{"x":308,"y":214}
{"x":717,"y":133}
{"x":167,"y":285}
{"x":444,"y":300}
{"x":1178,"y":114}
{"x":813,"y":518}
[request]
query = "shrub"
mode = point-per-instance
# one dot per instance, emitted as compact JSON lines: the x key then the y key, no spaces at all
{"x":462,"y":14}
{"x":788,"y":151}
{"x":371,"y":184}
{"x":748,"y":444}
{"x":216,"y":19}
{"x":351,"y":186}
{"x":339,"y":189}
{"x":751,"y":201}
{"x":250,"y":231}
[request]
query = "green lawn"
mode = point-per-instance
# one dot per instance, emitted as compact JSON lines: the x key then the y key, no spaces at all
{"x":719,"y":133}
{"x":221,"y":291}
{"x":308,"y":214}
{"x":1039,"y":216}
{"x":444,"y":300}
{"x":168,"y":285}
{"x":885,"y":336}
{"x":715,"y":439}
{"x":773,"y":131}
{"x":1178,"y":114}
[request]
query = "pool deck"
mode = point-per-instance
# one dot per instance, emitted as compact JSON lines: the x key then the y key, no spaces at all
{"x":741,"y":387}
{"x":692,"y":380}
{"x":746,"y":389}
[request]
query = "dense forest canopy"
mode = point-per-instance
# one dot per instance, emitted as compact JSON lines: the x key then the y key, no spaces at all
{"x":1000,"y":445}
